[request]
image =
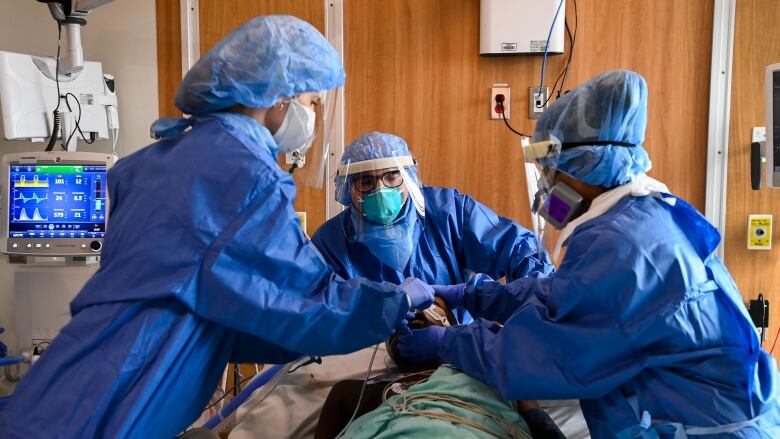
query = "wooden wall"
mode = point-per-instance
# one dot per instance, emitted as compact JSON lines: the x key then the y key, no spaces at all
{"x":217,"y":19}
{"x":756,"y":44}
{"x":168,"y":55}
{"x":413,"y":69}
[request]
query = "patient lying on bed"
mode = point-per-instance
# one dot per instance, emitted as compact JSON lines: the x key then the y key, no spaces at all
{"x":419,"y":400}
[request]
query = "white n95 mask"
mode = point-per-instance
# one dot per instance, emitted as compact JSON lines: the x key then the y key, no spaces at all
{"x":296,"y":129}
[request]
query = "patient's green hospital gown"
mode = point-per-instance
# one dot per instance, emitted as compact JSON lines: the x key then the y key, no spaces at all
{"x":386,"y":422}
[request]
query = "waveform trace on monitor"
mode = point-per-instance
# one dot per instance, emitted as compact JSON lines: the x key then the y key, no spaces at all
{"x":36,"y":182}
{"x":23,"y":216}
{"x":24,"y":199}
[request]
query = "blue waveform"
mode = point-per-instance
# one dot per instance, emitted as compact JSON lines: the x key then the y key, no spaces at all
{"x":34,"y":197}
{"x":36,"y":216}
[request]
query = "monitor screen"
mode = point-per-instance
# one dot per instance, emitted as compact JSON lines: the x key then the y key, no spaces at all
{"x":775,"y":141}
{"x":57,"y":200}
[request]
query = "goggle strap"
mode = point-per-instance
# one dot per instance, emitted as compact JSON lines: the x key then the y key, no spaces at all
{"x":568,"y":145}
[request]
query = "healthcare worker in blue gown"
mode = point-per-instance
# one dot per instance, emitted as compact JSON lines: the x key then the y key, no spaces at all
{"x":641,"y":321}
{"x":394,"y":227}
{"x":204,"y":260}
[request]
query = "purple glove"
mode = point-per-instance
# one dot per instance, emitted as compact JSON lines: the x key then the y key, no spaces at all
{"x":422,"y":346}
{"x":453,"y":295}
{"x":403,"y":327}
{"x":420,"y":294}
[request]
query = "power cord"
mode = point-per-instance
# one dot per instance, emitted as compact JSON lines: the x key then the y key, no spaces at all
{"x":56,"y":113}
{"x":500,"y":110}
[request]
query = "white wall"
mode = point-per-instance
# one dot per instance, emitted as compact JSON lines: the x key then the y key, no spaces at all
{"x":121,"y":35}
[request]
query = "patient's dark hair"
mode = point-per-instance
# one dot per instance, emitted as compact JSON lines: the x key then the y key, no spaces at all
{"x":421,"y":320}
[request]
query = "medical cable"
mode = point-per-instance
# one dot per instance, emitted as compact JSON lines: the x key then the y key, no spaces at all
{"x":362,"y":392}
{"x":405,"y":402}
{"x":78,"y":121}
{"x":397,"y":380}
{"x":565,"y":71}
{"x":226,"y":393}
{"x":775,"y":342}
{"x":56,"y":112}
{"x":547,"y":46}
{"x":572,"y":44}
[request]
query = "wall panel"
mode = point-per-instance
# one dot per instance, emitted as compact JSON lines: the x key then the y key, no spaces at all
{"x":756,"y":44}
{"x":413,"y":68}
{"x":168,"y":55}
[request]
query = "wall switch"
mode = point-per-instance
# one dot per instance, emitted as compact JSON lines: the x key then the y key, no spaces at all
{"x":759,"y":134}
{"x":759,"y":232}
{"x":538,"y":98}
{"x":291,"y":158}
{"x":499,"y":89}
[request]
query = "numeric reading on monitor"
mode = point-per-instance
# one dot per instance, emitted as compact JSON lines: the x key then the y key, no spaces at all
{"x":57,"y":201}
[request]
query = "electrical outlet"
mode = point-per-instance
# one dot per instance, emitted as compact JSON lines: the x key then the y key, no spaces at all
{"x":499,"y":89}
{"x":759,"y":232}
{"x":538,"y":98}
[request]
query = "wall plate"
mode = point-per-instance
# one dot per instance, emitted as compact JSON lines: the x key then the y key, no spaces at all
{"x":504,"y":90}
{"x":538,"y":99}
{"x":759,"y":232}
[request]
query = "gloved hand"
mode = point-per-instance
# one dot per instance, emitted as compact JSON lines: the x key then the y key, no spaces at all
{"x":422,"y":346}
{"x":3,"y":347}
{"x":420,"y":294}
{"x":453,"y":295}
{"x":403,"y":327}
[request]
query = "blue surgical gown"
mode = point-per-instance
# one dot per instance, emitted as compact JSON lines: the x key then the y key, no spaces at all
{"x":204,"y":262}
{"x":640,"y":317}
{"x":458,"y":236}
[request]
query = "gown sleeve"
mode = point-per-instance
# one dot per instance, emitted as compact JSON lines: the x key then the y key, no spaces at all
{"x":565,"y":339}
{"x":261,"y":276}
{"x":497,"y":246}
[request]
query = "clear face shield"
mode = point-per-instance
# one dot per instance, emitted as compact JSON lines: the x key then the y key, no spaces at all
{"x":307,"y":163}
{"x":387,"y":203}
{"x":555,"y":203}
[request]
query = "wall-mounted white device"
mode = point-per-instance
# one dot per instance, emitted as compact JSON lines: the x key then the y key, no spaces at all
{"x":28,"y":97}
{"x":521,"y":27}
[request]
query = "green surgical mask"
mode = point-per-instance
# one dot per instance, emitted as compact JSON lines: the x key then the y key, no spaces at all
{"x":382,"y":205}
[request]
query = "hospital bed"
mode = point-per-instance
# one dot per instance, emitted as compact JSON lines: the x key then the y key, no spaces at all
{"x":282,"y":403}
